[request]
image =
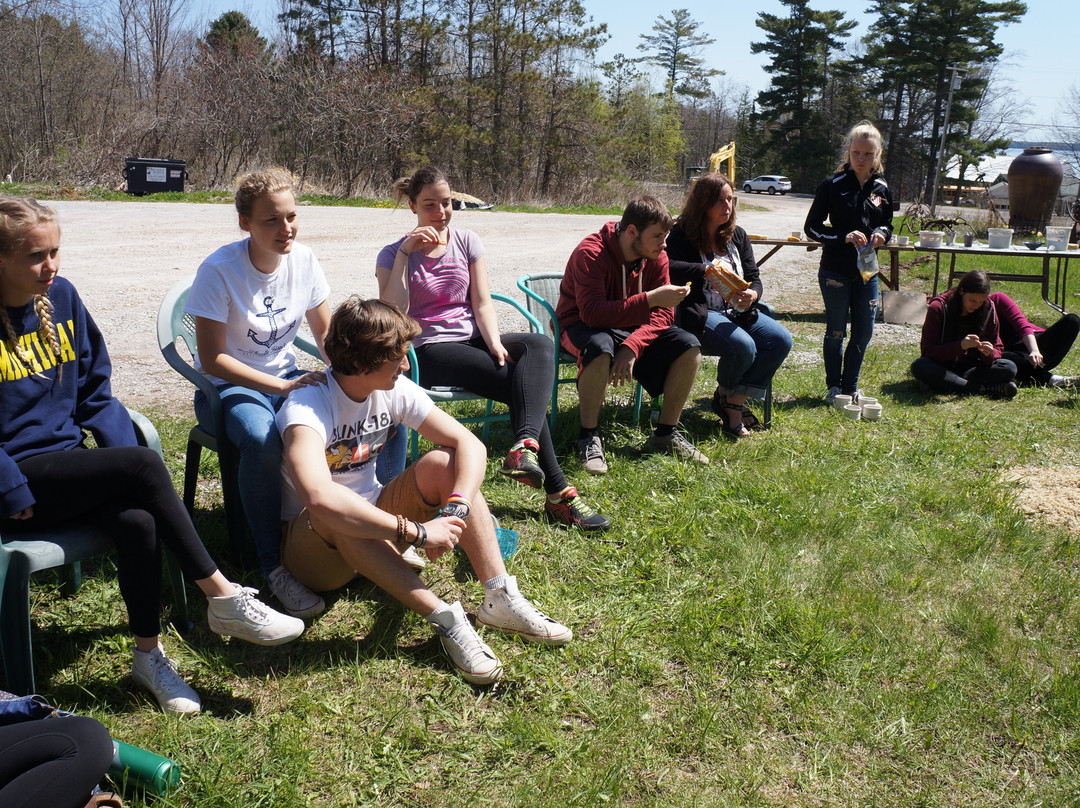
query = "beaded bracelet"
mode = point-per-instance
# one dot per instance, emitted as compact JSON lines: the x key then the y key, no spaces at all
{"x":402,"y":537}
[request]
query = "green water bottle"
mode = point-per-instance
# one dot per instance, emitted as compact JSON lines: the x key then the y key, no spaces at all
{"x":154,"y":773}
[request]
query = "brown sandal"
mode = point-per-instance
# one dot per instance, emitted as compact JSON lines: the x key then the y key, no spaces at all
{"x":104,"y":799}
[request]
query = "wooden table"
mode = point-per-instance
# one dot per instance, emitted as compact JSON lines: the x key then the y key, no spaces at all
{"x":1059,"y":259}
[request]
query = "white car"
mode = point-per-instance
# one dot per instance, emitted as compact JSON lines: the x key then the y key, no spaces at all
{"x":768,"y":182}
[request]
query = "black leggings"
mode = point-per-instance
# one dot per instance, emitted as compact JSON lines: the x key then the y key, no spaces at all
{"x":1053,"y":344}
{"x":523,"y":383}
{"x":54,"y":762}
{"x":127,"y":492}
{"x":963,"y":376}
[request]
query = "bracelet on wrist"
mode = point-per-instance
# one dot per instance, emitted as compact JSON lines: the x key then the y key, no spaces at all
{"x":403,"y":252}
{"x":421,"y":536}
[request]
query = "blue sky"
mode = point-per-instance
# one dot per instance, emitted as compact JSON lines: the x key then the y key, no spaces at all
{"x":1042,"y":47}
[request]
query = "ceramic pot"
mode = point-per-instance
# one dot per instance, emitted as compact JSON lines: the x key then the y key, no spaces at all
{"x":1034,"y":183}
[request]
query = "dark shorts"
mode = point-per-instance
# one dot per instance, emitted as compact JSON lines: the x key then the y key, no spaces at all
{"x":650,"y":369}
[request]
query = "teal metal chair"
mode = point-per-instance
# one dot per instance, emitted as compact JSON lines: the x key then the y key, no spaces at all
{"x":173,"y":327}
{"x":542,"y":296}
{"x":64,"y":546}
{"x":447,"y":394}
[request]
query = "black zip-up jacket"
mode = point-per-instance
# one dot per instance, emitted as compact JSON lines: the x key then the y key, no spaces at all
{"x":848,"y":207}
{"x":684,"y":266}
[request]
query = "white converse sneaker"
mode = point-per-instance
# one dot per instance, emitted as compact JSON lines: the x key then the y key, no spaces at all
{"x":470,"y":655}
{"x":507,"y":610}
{"x":295,"y":598}
{"x":413,"y":558}
{"x":158,"y":674}
{"x":244,"y":616}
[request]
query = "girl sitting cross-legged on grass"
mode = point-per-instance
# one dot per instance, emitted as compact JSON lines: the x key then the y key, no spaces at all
{"x":54,"y":384}
{"x":961,"y":343}
{"x":437,"y":275}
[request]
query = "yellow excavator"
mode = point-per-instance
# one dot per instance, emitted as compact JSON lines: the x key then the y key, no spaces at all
{"x":725,"y":154}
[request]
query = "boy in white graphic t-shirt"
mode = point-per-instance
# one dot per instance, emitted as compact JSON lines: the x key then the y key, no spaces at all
{"x":339,"y":520}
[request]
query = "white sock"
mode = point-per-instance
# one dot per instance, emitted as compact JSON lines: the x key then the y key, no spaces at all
{"x":496,"y":583}
{"x":442,"y":607}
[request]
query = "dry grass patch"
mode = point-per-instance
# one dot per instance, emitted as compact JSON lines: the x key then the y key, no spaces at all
{"x":1049,"y":494}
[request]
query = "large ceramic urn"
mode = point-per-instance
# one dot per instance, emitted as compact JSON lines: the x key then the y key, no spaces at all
{"x":1034,"y":183}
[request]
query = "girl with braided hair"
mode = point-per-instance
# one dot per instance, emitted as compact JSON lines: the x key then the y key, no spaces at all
{"x":54,"y":386}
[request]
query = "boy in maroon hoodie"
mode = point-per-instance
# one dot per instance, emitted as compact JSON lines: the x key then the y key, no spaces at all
{"x":616,"y":312}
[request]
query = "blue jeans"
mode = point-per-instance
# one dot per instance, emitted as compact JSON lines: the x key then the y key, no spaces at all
{"x":748,"y":357}
{"x":391,"y":460}
{"x":844,"y":296}
{"x":250,"y":427}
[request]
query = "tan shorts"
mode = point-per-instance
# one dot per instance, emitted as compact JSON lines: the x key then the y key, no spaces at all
{"x":315,"y":562}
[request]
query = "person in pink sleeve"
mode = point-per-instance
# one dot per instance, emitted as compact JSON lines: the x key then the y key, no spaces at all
{"x":1035,"y":351}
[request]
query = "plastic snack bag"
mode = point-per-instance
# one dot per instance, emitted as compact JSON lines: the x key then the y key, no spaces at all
{"x":867,"y":262}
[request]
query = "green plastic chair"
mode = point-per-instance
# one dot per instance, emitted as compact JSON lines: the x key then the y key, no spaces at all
{"x":173,"y":327}
{"x":542,"y":296}
{"x":64,"y":546}
{"x":446,"y":394}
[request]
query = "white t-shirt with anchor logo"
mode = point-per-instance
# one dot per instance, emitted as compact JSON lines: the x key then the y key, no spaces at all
{"x":261,"y":312}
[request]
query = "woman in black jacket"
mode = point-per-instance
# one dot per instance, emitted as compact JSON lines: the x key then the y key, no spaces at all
{"x":858,"y":205}
{"x":750,"y":344}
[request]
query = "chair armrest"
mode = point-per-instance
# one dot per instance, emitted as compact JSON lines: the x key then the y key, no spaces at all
{"x":145,"y":432}
{"x":534,"y":324}
{"x":308,"y":347}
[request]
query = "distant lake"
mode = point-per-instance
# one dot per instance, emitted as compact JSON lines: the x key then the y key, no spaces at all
{"x":991,"y":167}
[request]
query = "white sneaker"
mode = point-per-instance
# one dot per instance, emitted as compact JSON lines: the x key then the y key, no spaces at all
{"x":470,"y":655}
{"x":244,"y":616}
{"x":297,"y":599}
{"x":158,"y":674}
{"x":413,"y":558}
{"x":507,"y":610}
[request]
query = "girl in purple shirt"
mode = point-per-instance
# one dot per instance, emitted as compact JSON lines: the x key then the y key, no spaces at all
{"x":438,"y":275}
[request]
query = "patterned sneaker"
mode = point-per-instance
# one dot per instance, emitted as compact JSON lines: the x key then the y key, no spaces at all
{"x":243,"y":616}
{"x":471,"y":656}
{"x":295,"y":598}
{"x":507,"y":610}
{"x":571,"y":510}
{"x":412,"y":557}
{"x":523,"y":465}
{"x":158,"y":674}
{"x":677,"y":445}
{"x":831,"y":395}
{"x":591,"y":454}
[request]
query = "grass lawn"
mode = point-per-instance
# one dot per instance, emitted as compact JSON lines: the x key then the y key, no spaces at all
{"x":833,"y":613}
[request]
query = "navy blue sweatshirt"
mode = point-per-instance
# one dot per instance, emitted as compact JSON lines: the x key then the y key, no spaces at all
{"x":848,"y":206}
{"x":40,"y":412}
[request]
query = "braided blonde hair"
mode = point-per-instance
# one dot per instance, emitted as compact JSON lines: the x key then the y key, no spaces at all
{"x":17,"y":216}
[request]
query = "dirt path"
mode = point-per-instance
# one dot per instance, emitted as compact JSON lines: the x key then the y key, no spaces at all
{"x":123,"y":257}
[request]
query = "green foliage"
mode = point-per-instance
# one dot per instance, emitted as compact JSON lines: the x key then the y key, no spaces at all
{"x":910,"y":52}
{"x":674,"y":46}
{"x":801,"y":46}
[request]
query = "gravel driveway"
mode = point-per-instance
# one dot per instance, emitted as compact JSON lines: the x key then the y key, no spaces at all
{"x":123,"y":256}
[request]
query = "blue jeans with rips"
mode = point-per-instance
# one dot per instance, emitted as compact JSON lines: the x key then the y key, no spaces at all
{"x":846,"y":297}
{"x":749,"y":357}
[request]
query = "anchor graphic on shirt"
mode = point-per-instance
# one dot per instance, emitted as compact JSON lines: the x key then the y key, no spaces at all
{"x":271,"y":315}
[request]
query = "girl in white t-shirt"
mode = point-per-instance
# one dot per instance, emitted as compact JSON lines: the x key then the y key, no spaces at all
{"x":438,"y":275}
{"x":248,"y":300}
